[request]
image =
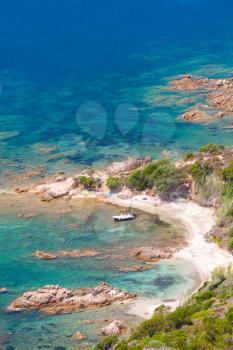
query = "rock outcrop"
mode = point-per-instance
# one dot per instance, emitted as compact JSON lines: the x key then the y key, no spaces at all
{"x":127,"y":165}
{"x":56,"y":300}
{"x":219,"y":96}
{"x":58,"y":188}
{"x":196,"y":115}
{"x":65,"y":254}
{"x":151,"y":254}
{"x":114,"y":328}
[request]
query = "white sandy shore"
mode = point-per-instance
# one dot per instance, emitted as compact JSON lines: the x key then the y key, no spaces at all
{"x":195,"y":219}
{"x":198,"y":221}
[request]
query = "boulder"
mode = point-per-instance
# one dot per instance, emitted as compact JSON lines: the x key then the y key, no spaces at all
{"x":151,"y":254}
{"x":54,"y":299}
{"x":196,"y":115}
{"x":114,"y":328}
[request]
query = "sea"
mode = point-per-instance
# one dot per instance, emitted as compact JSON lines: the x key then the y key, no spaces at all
{"x":82,"y":84}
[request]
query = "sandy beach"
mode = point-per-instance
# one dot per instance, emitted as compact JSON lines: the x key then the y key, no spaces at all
{"x":197,"y":221}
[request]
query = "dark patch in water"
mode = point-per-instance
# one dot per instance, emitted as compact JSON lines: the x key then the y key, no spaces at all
{"x":59,"y":348}
{"x":164,"y":282}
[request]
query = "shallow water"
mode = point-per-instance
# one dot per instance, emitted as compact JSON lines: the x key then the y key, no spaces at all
{"x":82,"y":228}
{"x":81,"y":84}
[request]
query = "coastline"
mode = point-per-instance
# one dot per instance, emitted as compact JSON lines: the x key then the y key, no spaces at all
{"x":197,"y":221}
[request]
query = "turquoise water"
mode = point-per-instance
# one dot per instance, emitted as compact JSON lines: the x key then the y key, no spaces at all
{"x":83,"y":83}
{"x":80,"y":229}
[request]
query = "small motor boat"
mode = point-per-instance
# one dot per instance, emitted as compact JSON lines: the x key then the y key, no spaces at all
{"x":124,"y":217}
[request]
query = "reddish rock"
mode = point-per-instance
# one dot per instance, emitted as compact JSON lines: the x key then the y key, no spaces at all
{"x":65,"y":254}
{"x":151,"y":254}
{"x":196,"y":115}
{"x":56,"y":300}
{"x":79,"y":336}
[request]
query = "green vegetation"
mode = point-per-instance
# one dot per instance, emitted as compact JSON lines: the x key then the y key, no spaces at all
{"x":200,"y":171}
{"x":227,"y":172}
{"x":87,"y":182}
{"x":189,"y":156}
{"x":162,"y":174}
{"x":204,"y":322}
{"x":138,"y":180}
{"x":113,"y":183}
{"x":211,"y":148}
{"x":106,"y":343}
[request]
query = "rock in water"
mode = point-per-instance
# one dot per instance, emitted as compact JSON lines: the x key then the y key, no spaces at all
{"x":151,"y":254}
{"x":55,"y":299}
{"x":114,"y":328}
{"x":79,"y":336}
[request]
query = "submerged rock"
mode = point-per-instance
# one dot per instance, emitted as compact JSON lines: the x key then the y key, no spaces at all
{"x":55,"y":299}
{"x":79,"y":336}
{"x":114,"y":328}
{"x":58,"y":188}
{"x":136,"y":268}
{"x":65,"y":254}
{"x":151,"y":254}
{"x":44,"y":255}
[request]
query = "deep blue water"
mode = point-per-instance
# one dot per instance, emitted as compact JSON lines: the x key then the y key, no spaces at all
{"x":83,"y":83}
{"x":55,"y":56}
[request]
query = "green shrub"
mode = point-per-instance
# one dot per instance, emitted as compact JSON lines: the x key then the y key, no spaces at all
{"x":138,"y":180}
{"x":106,"y":343}
{"x":230,"y":244}
{"x":227,"y":172}
{"x":211,"y":148}
{"x":228,"y":190}
{"x":189,"y":156}
{"x":200,"y":171}
{"x":122,"y":345}
{"x":204,"y":295}
{"x":152,"y":167}
{"x":113,"y":183}
{"x":87,"y":182}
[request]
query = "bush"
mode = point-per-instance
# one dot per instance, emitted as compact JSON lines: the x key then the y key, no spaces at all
{"x":113,"y":183}
{"x":189,"y":156}
{"x":227,"y":172}
{"x":152,"y":167}
{"x":211,"y":148}
{"x":230,"y":244}
{"x":87,"y":182}
{"x":106,"y":343}
{"x":200,"y":171}
{"x":138,"y":180}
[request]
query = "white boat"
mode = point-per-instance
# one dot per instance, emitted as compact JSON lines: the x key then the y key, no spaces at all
{"x":124,"y":217}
